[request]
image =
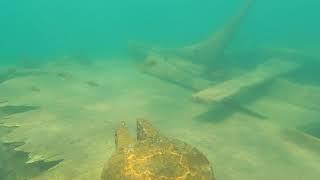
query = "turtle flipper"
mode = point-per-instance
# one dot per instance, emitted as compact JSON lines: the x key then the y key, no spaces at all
{"x":123,"y":139}
{"x":145,"y":130}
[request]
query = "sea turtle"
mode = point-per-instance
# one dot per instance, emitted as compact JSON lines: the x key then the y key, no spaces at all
{"x":154,"y":157}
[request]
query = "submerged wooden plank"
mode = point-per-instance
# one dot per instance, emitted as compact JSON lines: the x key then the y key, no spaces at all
{"x":175,"y":70}
{"x":262,"y":73}
{"x":207,"y":51}
{"x":210,"y":51}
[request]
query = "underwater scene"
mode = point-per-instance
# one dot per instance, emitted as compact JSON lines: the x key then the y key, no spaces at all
{"x":159,"y":90}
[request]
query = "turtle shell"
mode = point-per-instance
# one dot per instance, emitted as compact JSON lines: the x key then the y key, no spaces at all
{"x":154,"y":157}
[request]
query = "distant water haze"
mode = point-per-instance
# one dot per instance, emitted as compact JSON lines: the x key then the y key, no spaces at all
{"x":41,"y":28}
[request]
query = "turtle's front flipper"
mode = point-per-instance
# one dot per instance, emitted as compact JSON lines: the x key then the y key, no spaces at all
{"x":123,"y":139}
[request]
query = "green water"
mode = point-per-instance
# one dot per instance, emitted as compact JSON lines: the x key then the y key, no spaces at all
{"x":238,"y":80}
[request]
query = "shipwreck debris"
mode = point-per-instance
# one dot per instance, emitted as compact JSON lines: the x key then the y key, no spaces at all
{"x":262,"y":73}
{"x":191,"y":66}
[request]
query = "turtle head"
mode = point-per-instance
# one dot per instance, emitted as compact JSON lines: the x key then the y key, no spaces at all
{"x":145,"y":130}
{"x":123,"y":139}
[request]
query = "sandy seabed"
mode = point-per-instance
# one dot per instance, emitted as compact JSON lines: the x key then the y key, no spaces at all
{"x":79,"y":105}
